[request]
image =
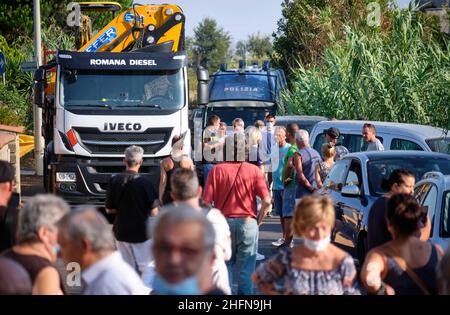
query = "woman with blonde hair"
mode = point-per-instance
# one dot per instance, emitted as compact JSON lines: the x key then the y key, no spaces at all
{"x":315,"y":266}
{"x":324,"y":167}
{"x":253,"y":140}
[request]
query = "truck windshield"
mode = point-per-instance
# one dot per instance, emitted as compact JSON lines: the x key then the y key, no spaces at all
{"x":228,"y":114}
{"x":131,"y":89}
{"x":243,"y":87}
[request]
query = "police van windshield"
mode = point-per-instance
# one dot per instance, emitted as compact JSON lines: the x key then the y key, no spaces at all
{"x":255,"y":87}
{"x":130,"y":89}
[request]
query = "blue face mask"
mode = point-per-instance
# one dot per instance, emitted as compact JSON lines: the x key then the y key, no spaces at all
{"x":56,"y":249}
{"x":185,"y":287}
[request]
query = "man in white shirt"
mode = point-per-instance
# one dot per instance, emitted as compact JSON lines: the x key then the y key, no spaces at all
{"x":187,"y":191}
{"x":86,"y":239}
{"x":369,"y":134}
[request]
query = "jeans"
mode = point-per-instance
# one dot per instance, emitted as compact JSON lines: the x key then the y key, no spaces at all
{"x":244,"y":244}
{"x":206,"y":169}
{"x":140,"y":257}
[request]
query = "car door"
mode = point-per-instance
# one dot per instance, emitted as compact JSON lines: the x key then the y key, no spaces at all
{"x":427,"y":196}
{"x":332,"y":186}
{"x":351,"y":206}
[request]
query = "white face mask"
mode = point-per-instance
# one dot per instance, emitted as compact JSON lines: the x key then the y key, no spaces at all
{"x":317,"y":246}
{"x":269,"y":125}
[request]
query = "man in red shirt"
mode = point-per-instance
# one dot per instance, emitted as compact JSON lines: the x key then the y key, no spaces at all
{"x":232,"y":187}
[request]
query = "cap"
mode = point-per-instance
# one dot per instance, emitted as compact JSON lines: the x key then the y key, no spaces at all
{"x":6,"y":172}
{"x":333,"y":132}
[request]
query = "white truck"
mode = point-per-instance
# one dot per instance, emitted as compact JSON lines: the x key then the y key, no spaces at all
{"x":127,"y":85}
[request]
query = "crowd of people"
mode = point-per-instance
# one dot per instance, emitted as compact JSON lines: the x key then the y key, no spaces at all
{"x":185,"y":238}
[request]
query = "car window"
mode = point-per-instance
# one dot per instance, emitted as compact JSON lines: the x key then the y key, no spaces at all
{"x":421,"y":191}
{"x":354,"y":176}
{"x":402,"y":144}
{"x":430,"y":201}
{"x":335,"y":179}
{"x":418,"y":165}
{"x":445,"y":220}
{"x":353,"y":142}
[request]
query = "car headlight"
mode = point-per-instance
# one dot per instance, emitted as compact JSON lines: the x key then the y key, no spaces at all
{"x":65,"y":177}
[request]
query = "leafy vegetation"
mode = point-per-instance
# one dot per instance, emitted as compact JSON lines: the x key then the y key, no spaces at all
{"x":400,"y":73}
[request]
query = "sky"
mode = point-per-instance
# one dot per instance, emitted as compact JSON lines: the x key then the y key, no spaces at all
{"x":238,"y":17}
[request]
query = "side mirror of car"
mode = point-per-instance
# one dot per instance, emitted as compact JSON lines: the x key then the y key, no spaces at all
{"x":351,"y":191}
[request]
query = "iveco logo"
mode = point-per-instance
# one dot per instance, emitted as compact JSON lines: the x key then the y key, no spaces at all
{"x":122,"y":126}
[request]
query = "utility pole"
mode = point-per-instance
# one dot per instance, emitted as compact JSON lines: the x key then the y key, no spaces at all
{"x":37,"y":112}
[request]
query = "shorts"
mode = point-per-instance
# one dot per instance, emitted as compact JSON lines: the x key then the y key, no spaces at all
{"x":278,"y":202}
{"x":288,"y":201}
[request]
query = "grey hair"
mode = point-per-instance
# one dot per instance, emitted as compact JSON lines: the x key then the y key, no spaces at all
{"x":87,"y":223}
{"x":133,"y":155}
{"x":40,"y":210}
{"x":238,"y":121}
{"x":184,"y":184}
{"x":176,"y":214}
{"x":302,"y":135}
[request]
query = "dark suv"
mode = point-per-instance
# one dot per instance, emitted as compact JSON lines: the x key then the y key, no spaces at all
{"x":354,"y":184}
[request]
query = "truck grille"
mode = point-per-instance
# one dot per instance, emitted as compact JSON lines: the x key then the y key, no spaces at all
{"x":96,"y":142}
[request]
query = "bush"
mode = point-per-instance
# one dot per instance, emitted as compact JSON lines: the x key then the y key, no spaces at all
{"x":14,"y":108}
{"x":400,"y":75}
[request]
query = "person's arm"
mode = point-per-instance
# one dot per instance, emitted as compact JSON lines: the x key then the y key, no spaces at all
{"x":300,"y":176}
{"x":373,"y":273}
{"x":162,"y":181}
{"x":267,"y":274}
{"x":47,"y":282}
{"x":287,"y":171}
{"x":425,"y":232}
{"x":208,"y":193}
{"x":110,"y":206}
{"x":266,"y":204}
{"x":317,"y":175}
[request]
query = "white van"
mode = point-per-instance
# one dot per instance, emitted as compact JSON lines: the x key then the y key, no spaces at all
{"x":394,"y":136}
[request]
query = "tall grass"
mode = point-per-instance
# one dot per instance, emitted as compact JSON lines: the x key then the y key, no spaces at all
{"x":399,"y":75}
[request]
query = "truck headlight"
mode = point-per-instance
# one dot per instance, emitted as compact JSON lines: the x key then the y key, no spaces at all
{"x":65,"y":177}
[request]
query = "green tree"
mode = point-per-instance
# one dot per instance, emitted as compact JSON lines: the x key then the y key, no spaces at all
{"x":241,"y":49}
{"x":259,"y":46}
{"x":211,"y":44}
{"x":16,"y":16}
{"x":307,"y":28}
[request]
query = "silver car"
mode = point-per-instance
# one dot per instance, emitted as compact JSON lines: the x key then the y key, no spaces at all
{"x":433,"y":192}
{"x":394,"y":136}
{"x":354,"y":184}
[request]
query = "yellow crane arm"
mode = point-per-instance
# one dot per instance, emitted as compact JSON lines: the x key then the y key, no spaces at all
{"x":143,"y":25}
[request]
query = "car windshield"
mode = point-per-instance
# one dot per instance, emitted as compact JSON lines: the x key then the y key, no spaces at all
{"x":131,"y":89}
{"x":439,"y":145}
{"x":446,"y":214}
{"x":253,"y":87}
{"x":418,"y":165}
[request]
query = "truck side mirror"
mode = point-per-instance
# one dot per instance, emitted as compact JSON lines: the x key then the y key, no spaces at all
{"x":203,"y":86}
{"x":39,"y":87}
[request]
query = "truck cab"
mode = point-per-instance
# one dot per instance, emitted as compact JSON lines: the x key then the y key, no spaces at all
{"x":103,"y":101}
{"x":249,"y":92}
